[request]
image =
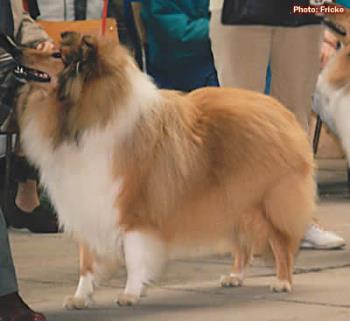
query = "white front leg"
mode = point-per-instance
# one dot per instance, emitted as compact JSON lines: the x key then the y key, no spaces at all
{"x":145,"y":256}
{"x":83,"y":296}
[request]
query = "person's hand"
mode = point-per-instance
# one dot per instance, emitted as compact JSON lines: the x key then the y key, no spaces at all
{"x":46,"y":46}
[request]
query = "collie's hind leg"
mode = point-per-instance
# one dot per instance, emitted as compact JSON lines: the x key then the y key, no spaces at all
{"x":241,"y":260}
{"x":84,"y":292}
{"x":284,"y":260}
{"x":288,"y":206}
{"x":145,"y":256}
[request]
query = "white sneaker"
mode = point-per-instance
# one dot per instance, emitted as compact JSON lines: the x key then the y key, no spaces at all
{"x":318,"y":238}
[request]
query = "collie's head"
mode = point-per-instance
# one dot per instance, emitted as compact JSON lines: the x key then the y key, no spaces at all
{"x":338,"y":69}
{"x":339,"y":25}
{"x":93,"y":82}
{"x":95,"y":65}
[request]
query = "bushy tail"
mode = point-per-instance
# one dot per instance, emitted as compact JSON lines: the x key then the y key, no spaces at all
{"x":289,"y":206}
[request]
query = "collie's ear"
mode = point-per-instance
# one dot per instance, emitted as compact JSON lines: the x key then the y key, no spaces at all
{"x":80,"y":58}
{"x":69,"y":46}
{"x":70,"y":37}
{"x":88,"y":49}
{"x":69,"y":85}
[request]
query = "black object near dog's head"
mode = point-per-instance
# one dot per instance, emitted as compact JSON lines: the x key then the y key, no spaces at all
{"x":13,"y":75}
{"x":8,"y":45}
{"x":9,"y":83}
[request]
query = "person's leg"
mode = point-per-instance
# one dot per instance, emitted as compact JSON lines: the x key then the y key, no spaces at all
{"x":12,"y":307}
{"x":211,"y":79}
{"x":161,"y":79}
{"x":241,"y":53}
{"x":27,"y":197}
{"x":295,"y":65}
{"x":26,"y":210}
{"x":203,"y":75}
{"x":26,"y":176}
{"x":268,"y":80}
{"x":186,"y":78}
{"x":8,"y":281}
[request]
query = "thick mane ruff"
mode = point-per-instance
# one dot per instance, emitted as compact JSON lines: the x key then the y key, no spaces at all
{"x":93,"y":83}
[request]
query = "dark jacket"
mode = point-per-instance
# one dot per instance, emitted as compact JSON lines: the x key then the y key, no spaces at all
{"x":266,"y":12}
{"x":25,"y":32}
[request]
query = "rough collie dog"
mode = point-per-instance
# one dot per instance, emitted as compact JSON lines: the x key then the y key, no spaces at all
{"x":147,"y":174}
{"x":332,"y":95}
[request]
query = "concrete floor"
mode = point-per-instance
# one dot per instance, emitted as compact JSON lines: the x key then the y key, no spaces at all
{"x":47,"y":268}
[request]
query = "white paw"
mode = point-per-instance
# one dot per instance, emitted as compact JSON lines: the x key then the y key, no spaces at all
{"x":126,"y":299}
{"x":77,"y":303}
{"x":232,"y":280}
{"x":281,"y":286}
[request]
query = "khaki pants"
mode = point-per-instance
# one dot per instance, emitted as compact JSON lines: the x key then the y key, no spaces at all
{"x":242,"y":54}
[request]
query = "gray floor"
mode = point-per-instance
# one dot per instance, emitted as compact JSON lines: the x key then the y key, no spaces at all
{"x":47,"y":269}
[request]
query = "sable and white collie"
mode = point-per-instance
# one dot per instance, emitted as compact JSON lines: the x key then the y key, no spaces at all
{"x":332,"y":95}
{"x":146,"y":174}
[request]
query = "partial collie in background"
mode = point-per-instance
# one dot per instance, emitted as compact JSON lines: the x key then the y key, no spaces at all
{"x":147,"y":174}
{"x":332,"y":95}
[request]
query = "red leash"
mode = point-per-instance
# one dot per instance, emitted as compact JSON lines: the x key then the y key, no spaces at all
{"x":104,"y":16}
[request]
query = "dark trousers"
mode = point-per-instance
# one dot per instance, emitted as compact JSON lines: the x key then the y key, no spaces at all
{"x":8,"y":280}
{"x":185,"y":77}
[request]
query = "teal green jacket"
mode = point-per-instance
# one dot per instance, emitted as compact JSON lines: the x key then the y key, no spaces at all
{"x":345,"y":3}
{"x":177,"y":32}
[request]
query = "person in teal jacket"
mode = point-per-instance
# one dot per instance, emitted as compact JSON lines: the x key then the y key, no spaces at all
{"x":179,"y":51}
{"x":345,"y":3}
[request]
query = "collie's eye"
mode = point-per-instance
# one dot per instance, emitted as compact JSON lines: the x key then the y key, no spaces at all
{"x":57,"y":55}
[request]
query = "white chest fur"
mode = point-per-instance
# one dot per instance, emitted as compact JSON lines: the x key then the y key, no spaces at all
{"x":80,"y":182}
{"x":79,"y":178}
{"x":325,"y":100}
{"x":332,"y":104}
